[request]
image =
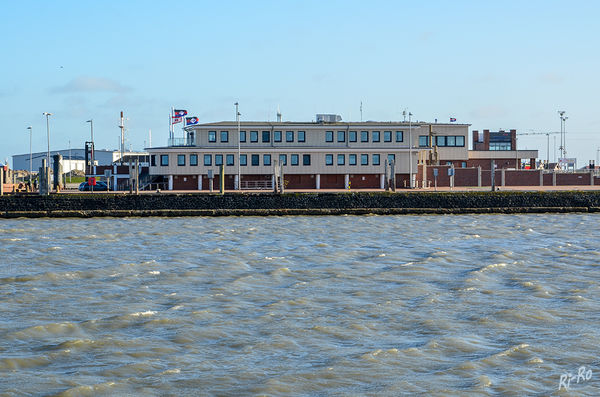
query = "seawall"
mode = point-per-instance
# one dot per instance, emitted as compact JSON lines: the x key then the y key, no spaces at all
{"x":260,"y":204}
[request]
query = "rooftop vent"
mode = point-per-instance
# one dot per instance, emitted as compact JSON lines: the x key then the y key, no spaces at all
{"x":328,"y":118}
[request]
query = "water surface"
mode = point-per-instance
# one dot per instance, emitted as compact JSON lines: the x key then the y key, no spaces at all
{"x":372,"y":305}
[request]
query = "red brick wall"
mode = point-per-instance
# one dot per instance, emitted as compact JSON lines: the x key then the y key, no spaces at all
{"x":547,"y":179}
{"x":300,"y":181}
{"x":572,"y":179}
{"x":332,"y":181}
{"x":465,"y":177}
{"x":185,"y":182}
{"x":522,"y":178}
{"x":485,"y":164}
{"x":365,"y":181}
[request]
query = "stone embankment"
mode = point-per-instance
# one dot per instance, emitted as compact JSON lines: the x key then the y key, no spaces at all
{"x":259,"y":204}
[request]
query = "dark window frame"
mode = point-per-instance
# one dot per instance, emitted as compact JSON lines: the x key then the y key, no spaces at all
{"x":164,"y":163}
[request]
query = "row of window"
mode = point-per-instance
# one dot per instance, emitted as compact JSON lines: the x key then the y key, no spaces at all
{"x":290,"y":136}
{"x":300,"y":136}
{"x":443,"y":141}
{"x":266,"y":159}
{"x":230,"y":159}
{"x":375,"y":136}
{"x":352,"y":159}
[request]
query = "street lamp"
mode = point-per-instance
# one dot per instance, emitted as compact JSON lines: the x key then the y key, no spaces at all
{"x":410,"y":182}
{"x":91,"y":121}
{"x":563,"y":119}
{"x":48,"y":133}
{"x":30,"y":128}
{"x":237,"y":116}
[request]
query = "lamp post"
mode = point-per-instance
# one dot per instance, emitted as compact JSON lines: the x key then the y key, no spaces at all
{"x":563,"y":119}
{"x":30,"y":128}
{"x":237,"y":117}
{"x":91,"y":121}
{"x":410,"y":179}
{"x":48,"y":133}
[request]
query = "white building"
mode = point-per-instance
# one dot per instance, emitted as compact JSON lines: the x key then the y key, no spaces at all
{"x":73,"y":159}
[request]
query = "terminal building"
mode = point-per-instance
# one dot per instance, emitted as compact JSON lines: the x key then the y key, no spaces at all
{"x":324,"y":154}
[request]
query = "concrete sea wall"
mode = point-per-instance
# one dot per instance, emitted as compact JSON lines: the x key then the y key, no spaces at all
{"x":88,"y":205}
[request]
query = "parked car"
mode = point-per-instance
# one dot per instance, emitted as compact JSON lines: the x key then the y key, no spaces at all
{"x":100,"y":186}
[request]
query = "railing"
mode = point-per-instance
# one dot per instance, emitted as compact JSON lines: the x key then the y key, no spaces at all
{"x":257,"y":185}
{"x":182,"y":141}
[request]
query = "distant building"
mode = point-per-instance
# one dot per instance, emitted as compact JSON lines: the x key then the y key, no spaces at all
{"x":501,"y":147}
{"x":73,"y":159}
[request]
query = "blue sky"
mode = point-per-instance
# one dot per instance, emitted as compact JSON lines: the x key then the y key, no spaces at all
{"x":503,"y":64}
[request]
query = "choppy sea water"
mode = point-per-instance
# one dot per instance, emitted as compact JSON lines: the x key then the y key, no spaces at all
{"x":477,"y":305}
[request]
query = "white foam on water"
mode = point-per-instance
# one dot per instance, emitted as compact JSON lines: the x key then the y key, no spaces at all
{"x":143,"y":314}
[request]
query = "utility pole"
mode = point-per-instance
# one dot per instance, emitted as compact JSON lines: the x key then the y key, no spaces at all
{"x":237,"y":116}
{"x":122,"y":127}
{"x":410,"y":170}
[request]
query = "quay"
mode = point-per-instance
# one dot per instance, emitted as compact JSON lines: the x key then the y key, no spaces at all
{"x":329,"y":203}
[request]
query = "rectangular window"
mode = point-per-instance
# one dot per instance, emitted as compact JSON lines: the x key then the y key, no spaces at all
{"x":164,"y":160}
{"x":341,"y":159}
{"x":328,"y":136}
{"x":352,"y":159}
{"x":329,"y":159}
{"x":193,"y":159}
{"x":376,"y":136}
{"x":364,"y":159}
{"x":243,"y":160}
{"x":153,"y":160}
{"x":266,"y":136}
{"x":341,"y":136}
{"x":376,"y":160}
{"x":463,"y":164}
{"x":255,"y":159}
{"x":218,"y":159}
{"x":391,"y":157}
{"x":230,"y":159}
{"x":306,"y":159}
{"x":283,"y":159}
{"x":399,"y":136}
{"x":460,"y":140}
{"x":289,"y":136}
{"x":242,"y":136}
{"x":212,"y":136}
{"x":423,"y":140}
{"x":294,"y":159}
{"x":440,"y":140}
{"x":276,"y":136}
{"x":208,"y":159}
{"x":224,"y":136}
{"x":266,"y":159}
{"x":364,"y":136}
{"x":301,"y":136}
{"x":352,"y":136}
{"x":253,"y":136}
{"x":450,"y":141}
{"x":387,"y":136}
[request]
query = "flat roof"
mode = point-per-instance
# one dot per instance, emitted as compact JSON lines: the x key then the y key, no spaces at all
{"x":314,"y":123}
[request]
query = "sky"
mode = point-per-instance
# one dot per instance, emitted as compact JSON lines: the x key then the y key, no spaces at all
{"x":492,"y":64}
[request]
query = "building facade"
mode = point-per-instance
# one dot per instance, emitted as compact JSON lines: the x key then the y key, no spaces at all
{"x":313,"y":155}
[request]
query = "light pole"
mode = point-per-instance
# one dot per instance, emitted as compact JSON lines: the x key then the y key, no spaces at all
{"x":91,"y":121}
{"x":410,"y":182}
{"x":237,"y":116}
{"x":48,"y":133}
{"x":563,"y":119}
{"x":30,"y":128}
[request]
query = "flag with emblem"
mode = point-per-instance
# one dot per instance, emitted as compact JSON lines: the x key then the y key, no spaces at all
{"x":191,"y":120}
